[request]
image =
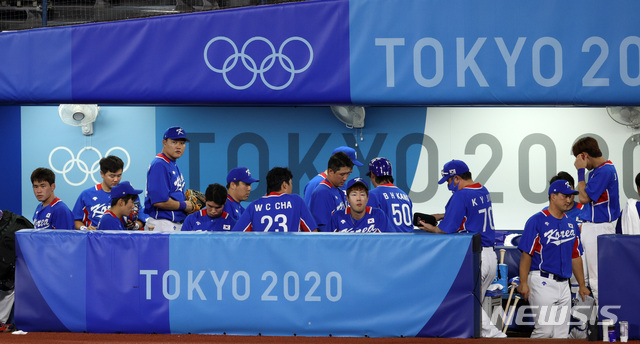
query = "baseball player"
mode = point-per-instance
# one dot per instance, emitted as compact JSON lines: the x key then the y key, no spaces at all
{"x":123,"y":197}
{"x":469,"y":210}
{"x":551,"y":250}
{"x":239,"y":187}
{"x":52,"y":213}
{"x":165,"y":202}
{"x":327,"y":197}
{"x":94,"y":201}
{"x":279,"y":210}
{"x":629,"y":221}
{"x":576,"y":207}
{"x":358,"y":217}
{"x":212,"y":218}
{"x":315,"y":181}
{"x":601,"y":201}
{"x":395,"y":203}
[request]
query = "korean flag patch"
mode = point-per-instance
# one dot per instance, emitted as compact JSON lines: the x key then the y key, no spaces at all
{"x":370,"y":221}
{"x":226,"y":227}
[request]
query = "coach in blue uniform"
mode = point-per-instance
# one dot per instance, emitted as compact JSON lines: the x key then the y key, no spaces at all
{"x":279,"y":210}
{"x":51,"y":213}
{"x":123,"y":197}
{"x":212,"y":217}
{"x":469,"y":210}
{"x":395,"y":203}
{"x":601,"y":201}
{"x":315,"y":181}
{"x":165,"y":202}
{"x":328,"y":197}
{"x":239,"y":182}
{"x":551,"y":251}
{"x":358,"y":217}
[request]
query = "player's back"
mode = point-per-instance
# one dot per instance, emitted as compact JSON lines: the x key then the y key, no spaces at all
{"x":395,"y":203}
{"x":470,"y":209}
{"x":276,"y":212}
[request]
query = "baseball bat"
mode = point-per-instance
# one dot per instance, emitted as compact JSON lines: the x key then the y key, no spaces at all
{"x":513,"y":310}
{"x":503,"y":270}
{"x":506,"y":310}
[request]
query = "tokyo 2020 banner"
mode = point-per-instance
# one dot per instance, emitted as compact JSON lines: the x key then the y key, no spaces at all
{"x":391,"y":52}
{"x":247,"y":283}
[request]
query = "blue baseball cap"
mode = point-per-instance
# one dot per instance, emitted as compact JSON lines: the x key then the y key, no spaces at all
{"x":123,"y":189}
{"x":175,"y":133}
{"x":355,"y":181}
{"x":380,"y":167}
{"x":563,"y":187}
{"x":240,"y":174}
{"x":453,"y":168}
{"x":350,"y":152}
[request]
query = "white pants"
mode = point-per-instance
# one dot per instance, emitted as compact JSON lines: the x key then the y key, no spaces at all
{"x":6,"y":303}
{"x":551,"y":302}
{"x":161,"y":225}
{"x":487,"y":275}
{"x":589,"y":237}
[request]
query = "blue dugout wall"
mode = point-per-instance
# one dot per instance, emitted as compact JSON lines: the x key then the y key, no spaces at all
{"x":316,"y":284}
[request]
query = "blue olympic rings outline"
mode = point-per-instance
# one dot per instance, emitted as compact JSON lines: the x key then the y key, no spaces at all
{"x":82,"y":166}
{"x":250,"y":64}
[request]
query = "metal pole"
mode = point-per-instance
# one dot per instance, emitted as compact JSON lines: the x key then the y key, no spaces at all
{"x":44,"y":12}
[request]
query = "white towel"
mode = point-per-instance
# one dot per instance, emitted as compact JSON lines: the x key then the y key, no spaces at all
{"x":630,"y":218}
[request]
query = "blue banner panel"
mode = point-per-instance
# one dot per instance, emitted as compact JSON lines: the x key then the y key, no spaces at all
{"x":303,"y":284}
{"x":35,"y":66}
{"x":618,"y":258}
{"x":54,"y":263}
{"x":117,"y":286}
{"x":494,"y":52}
{"x":290,"y":53}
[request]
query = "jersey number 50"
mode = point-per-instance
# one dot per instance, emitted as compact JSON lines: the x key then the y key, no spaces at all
{"x":401,"y":214}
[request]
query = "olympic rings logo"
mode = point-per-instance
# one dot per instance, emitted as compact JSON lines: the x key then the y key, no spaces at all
{"x":83,"y":166}
{"x":250,"y":64}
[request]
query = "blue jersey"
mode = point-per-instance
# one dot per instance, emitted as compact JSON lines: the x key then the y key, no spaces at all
{"x":200,"y":221}
{"x":325,"y":200}
{"x":164,"y":181}
{"x":602,"y":188}
{"x":91,"y":205}
{"x":311,"y":186}
{"x":551,"y":242}
{"x":470,"y":210}
{"x":373,"y":221}
{"x":276,"y":212}
{"x":54,"y":216}
{"x":396,"y":205}
{"x":233,"y":208}
{"x":111,"y":222}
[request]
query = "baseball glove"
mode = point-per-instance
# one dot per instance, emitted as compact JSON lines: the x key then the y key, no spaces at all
{"x":130,"y":220}
{"x":196,"y":198}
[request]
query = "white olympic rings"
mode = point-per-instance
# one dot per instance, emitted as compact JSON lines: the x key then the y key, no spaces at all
{"x":82,"y":166}
{"x":250,"y":64}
